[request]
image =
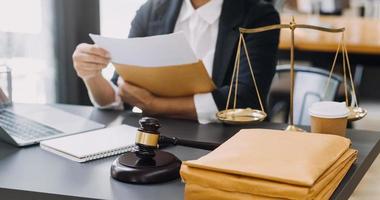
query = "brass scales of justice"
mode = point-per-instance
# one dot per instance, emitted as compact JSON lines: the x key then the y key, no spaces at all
{"x":248,"y":115}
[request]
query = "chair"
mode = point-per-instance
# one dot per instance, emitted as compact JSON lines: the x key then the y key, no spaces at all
{"x":309,"y":87}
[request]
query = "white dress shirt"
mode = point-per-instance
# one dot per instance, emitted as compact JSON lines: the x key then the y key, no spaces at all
{"x":200,"y":27}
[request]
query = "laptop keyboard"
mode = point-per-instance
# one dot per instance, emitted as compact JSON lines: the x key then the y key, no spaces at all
{"x":23,"y":128}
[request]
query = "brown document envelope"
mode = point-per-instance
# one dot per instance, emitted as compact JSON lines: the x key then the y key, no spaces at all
{"x":269,"y":162}
{"x":312,"y":154}
{"x":201,"y":192}
{"x":200,"y":183}
{"x":169,"y":81}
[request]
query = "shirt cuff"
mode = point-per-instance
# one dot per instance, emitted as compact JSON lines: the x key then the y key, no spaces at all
{"x":116,"y":105}
{"x":205,"y":107}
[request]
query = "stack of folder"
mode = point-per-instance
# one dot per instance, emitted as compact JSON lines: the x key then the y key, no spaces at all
{"x":270,"y":164}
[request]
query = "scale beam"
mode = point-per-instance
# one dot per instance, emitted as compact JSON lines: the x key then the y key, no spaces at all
{"x":291,"y":26}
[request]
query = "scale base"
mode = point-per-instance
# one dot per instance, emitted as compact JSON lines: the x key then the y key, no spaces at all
{"x":162,"y":167}
{"x":294,"y":128}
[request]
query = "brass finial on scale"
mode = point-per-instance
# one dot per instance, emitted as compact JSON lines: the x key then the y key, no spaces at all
{"x":248,"y":115}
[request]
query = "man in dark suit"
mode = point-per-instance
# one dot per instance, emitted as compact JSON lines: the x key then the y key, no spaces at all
{"x":211,"y":26}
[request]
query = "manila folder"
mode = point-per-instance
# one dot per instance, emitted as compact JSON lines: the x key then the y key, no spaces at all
{"x":169,"y":81}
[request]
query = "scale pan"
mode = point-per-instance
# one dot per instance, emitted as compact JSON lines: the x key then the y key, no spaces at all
{"x":241,"y":116}
{"x":356,"y":113}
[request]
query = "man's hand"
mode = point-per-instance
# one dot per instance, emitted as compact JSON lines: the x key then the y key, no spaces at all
{"x":89,"y":60}
{"x":139,"y":97}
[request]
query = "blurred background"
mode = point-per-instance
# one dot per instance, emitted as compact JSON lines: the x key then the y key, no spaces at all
{"x":38,"y":37}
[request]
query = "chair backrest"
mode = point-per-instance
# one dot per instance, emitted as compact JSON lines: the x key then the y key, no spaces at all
{"x":309,"y":87}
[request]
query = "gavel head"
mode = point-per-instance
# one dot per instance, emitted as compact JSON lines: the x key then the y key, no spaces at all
{"x":147,"y":137}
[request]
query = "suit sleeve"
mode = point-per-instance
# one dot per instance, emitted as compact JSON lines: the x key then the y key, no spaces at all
{"x":262,"y":48}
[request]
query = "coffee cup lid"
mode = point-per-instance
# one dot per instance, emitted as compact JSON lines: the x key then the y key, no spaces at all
{"x":329,"y":109}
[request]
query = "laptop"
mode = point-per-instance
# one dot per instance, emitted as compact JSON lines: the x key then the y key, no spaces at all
{"x":28,"y":124}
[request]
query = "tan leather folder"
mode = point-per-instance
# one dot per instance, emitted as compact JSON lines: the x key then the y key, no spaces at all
{"x":169,"y":81}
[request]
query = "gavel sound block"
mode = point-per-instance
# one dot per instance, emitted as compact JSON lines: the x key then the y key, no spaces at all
{"x":147,"y":164}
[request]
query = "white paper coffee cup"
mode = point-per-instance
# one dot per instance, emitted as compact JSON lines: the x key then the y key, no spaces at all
{"x":329,"y":117}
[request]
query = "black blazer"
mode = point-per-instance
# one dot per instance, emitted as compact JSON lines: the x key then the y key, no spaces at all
{"x":159,"y":17}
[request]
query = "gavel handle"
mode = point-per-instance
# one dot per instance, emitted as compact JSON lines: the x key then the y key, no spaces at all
{"x":171,"y":141}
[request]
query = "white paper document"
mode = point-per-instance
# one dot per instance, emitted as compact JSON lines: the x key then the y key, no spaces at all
{"x":154,"y":51}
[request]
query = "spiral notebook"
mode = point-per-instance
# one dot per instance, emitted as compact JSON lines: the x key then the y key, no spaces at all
{"x":93,"y":144}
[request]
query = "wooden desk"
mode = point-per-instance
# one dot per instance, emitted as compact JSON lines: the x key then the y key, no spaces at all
{"x":362,"y":34}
